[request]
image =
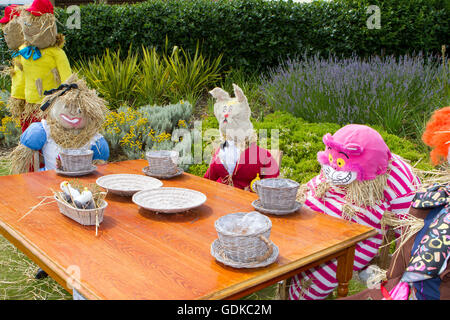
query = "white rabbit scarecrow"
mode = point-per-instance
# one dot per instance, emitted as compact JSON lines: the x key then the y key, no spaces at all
{"x":238,"y":160}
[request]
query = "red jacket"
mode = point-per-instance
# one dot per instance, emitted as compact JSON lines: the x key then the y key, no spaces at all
{"x":251,"y":162}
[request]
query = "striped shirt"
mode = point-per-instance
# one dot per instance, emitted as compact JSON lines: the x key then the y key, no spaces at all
{"x":398,"y":194}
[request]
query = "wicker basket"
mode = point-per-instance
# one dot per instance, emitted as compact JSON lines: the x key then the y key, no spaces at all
{"x":276,"y":193}
{"x":85,"y":217}
{"x":76,"y":160}
{"x":240,"y":246}
{"x":162,"y":162}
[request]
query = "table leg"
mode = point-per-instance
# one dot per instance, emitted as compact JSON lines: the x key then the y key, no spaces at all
{"x":345,"y":270}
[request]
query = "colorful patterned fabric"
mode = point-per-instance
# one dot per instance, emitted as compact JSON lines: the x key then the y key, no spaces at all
{"x":431,"y":256}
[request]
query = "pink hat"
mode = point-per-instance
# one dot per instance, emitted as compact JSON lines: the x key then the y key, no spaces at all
{"x":10,"y":12}
{"x":356,"y":148}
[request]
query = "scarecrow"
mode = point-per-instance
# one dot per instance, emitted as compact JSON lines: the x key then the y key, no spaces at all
{"x":360,"y":181}
{"x":238,"y":161}
{"x":74,"y":115}
{"x":13,"y":35}
{"x":45,"y":64}
{"x":420,"y":267}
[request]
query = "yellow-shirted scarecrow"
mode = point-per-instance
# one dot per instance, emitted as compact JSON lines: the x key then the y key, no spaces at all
{"x":45,"y":64}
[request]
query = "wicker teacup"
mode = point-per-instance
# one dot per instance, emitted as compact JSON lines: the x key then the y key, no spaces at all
{"x":241,"y":244}
{"x":162,"y":161}
{"x":76,"y":160}
{"x":277,"y":193}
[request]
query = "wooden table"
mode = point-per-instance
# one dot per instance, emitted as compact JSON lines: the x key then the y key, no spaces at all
{"x":139,"y":254}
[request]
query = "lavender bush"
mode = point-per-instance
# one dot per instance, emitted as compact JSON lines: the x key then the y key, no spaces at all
{"x":396,"y":93}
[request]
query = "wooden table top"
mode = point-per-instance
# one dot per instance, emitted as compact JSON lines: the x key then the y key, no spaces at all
{"x":139,"y":254}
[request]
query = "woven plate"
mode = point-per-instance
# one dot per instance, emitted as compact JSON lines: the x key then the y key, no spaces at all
{"x":218,"y":253}
{"x":147,"y":171}
{"x":76,"y":173}
{"x":127,"y":184}
{"x":169,"y":200}
{"x":258,"y":207}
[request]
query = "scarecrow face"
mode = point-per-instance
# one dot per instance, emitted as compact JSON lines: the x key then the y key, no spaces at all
{"x":12,"y":32}
{"x":39,"y":31}
{"x":69,"y":116}
{"x":338,"y":170}
{"x":233,"y":114}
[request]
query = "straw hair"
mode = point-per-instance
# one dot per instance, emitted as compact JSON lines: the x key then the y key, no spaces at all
{"x":16,"y":107}
{"x":368,"y":192}
{"x":91,"y":105}
{"x":408,"y":224}
{"x":13,"y":33}
{"x":41,"y":30}
{"x":31,"y":110}
{"x":21,"y":159}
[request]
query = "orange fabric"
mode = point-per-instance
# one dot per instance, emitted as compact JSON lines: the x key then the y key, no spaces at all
{"x":437,"y":135}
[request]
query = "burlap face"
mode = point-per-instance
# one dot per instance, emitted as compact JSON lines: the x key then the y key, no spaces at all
{"x":75,"y":103}
{"x":13,"y":34}
{"x":39,"y":31}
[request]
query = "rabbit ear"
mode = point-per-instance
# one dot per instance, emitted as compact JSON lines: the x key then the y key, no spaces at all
{"x":239,"y":93}
{"x":219,"y":94}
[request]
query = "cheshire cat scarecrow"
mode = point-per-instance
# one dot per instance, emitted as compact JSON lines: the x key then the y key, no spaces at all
{"x":13,"y":35}
{"x":360,"y":180}
{"x":420,"y":268}
{"x":74,"y":115}
{"x":45,"y":64}
{"x":239,"y":160}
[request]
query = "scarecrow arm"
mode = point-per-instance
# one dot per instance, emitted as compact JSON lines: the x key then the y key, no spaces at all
{"x":62,"y":65}
{"x":34,"y":137}
{"x":101,"y":149}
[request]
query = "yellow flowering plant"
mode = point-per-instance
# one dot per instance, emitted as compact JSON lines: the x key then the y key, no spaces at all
{"x":131,"y":132}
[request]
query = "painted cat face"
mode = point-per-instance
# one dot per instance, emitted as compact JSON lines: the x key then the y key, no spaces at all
{"x":354,"y":152}
{"x":70,"y":117}
{"x":233,"y":114}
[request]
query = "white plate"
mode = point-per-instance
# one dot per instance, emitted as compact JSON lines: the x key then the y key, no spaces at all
{"x":169,"y":200}
{"x":127,"y":184}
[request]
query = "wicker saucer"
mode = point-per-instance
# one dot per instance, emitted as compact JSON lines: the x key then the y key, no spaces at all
{"x":147,"y":171}
{"x":258,"y":207}
{"x":76,"y":173}
{"x":218,"y":253}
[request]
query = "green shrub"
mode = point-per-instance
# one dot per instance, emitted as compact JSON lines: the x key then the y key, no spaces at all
{"x":255,"y":34}
{"x":300,"y":141}
{"x":132,"y":132}
{"x":150,"y":77}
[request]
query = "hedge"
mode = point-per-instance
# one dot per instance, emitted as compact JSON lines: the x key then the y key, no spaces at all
{"x":255,"y":34}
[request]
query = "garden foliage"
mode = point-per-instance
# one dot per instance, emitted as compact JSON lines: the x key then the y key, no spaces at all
{"x":150,"y":77}
{"x":132,"y":132}
{"x":398,"y":94}
{"x":255,"y":34}
{"x":301,"y":140}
